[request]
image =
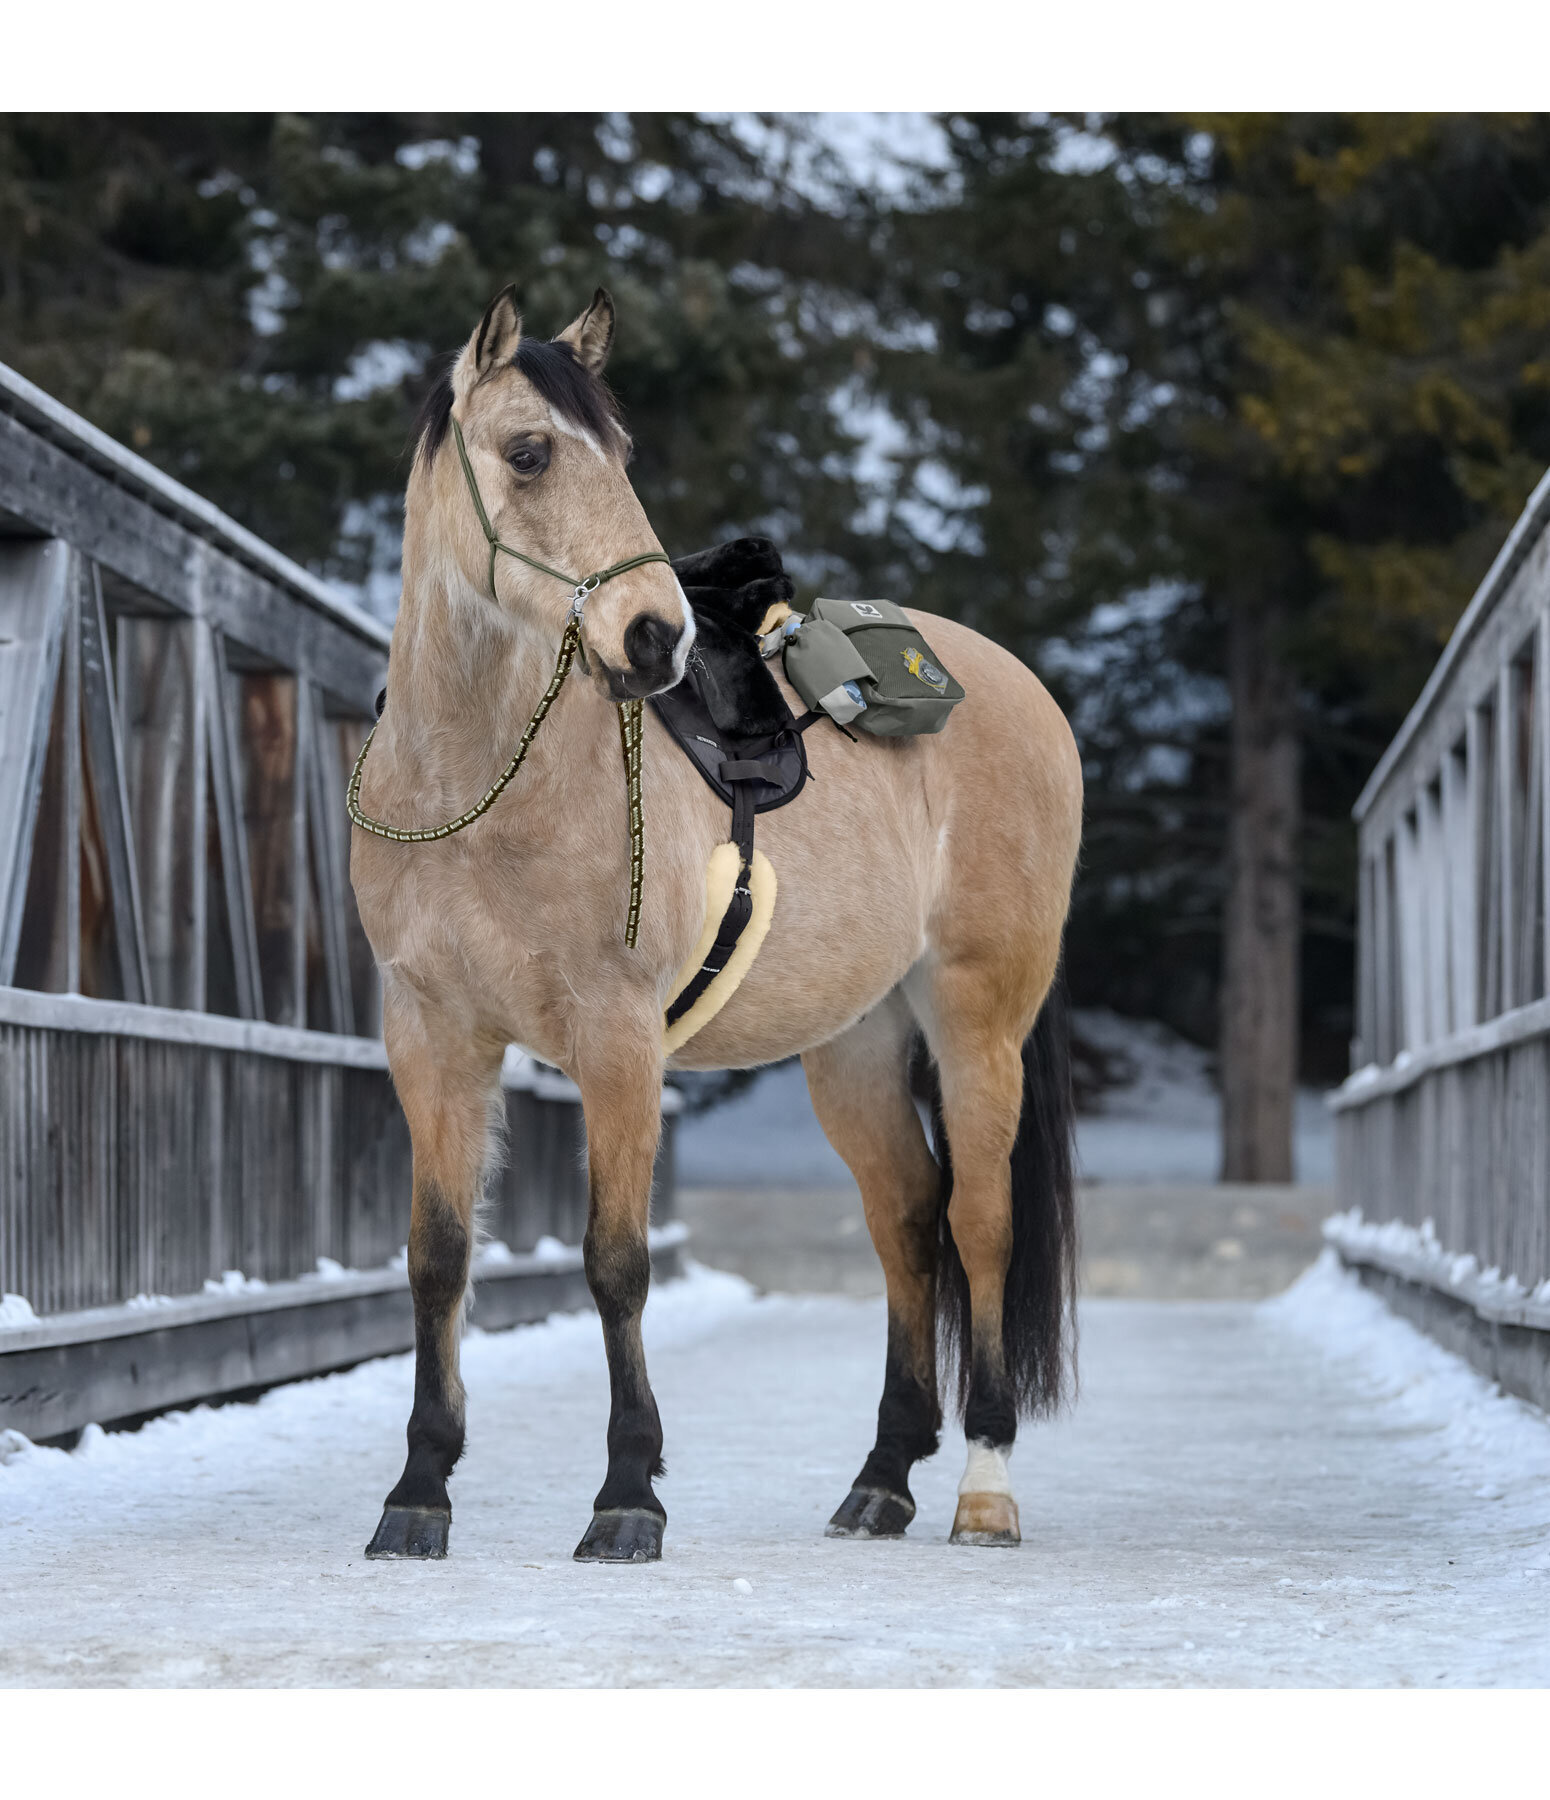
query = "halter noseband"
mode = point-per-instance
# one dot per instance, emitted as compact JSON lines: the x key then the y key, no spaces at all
{"x":630,"y":711}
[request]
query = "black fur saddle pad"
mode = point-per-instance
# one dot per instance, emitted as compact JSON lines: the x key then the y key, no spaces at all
{"x":727,"y":710}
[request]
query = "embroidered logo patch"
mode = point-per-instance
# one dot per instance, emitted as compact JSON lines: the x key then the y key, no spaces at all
{"x":866,"y":609}
{"x":924,"y":671}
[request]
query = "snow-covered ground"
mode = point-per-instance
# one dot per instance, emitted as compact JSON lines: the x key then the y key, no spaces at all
{"x":1162,"y":1125}
{"x":1305,"y":1492}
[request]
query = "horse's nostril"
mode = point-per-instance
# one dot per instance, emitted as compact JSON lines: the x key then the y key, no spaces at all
{"x":650,"y":642}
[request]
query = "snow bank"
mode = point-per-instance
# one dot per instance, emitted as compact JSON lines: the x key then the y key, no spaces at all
{"x":1498,"y":1445}
{"x":1415,"y":1253}
{"x":15,"y":1311}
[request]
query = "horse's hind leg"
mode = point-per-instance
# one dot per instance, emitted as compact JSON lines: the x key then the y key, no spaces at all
{"x":446,"y":1088}
{"x":860,"y":1088}
{"x":1006,"y":1105}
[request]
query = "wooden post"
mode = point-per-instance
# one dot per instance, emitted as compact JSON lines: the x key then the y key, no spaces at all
{"x":162,"y":717}
{"x":268,"y":738}
{"x":1409,"y":897}
{"x":225,"y":796}
{"x":34,"y":610}
{"x":1542,"y":773}
{"x":326,"y":814}
{"x":105,"y":765}
{"x":1505,"y":836}
{"x":1462,"y":852}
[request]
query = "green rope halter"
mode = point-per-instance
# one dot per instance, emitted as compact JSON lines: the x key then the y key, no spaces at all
{"x":630,"y":711}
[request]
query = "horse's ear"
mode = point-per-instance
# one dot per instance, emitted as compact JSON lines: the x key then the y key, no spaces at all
{"x":592,"y":335}
{"x":493,"y":345}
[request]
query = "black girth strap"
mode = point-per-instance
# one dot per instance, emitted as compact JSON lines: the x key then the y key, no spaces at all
{"x":740,"y":777}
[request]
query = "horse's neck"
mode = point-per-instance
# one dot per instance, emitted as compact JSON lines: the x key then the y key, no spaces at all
{"x":463,"y":684}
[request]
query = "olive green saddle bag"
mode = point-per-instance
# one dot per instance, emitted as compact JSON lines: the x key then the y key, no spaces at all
{"x":864,"y":664}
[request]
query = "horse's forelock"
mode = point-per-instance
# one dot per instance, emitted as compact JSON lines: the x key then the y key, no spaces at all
{"x":577,"y":395}
{"x":580,"y":398}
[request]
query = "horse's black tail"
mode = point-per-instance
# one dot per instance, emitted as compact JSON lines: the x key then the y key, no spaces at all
{"x":1038,"y":1319}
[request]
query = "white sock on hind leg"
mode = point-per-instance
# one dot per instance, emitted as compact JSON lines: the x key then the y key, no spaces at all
{"x":986,"y":1471}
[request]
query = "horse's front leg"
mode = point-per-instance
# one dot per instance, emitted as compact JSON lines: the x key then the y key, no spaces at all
{"x":447,"y":1087}
{"x":621,"y":1094}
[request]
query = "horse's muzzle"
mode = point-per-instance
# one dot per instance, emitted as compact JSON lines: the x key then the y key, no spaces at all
{"x":652,"y":645}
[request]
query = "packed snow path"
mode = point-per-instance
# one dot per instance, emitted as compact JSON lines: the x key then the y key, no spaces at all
{"x":1304,"y":1492}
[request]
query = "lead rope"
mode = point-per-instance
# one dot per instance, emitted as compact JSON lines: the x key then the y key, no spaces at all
{"x":631,"y":715}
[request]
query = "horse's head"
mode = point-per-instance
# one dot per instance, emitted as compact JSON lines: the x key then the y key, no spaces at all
{"x":547,"y":449}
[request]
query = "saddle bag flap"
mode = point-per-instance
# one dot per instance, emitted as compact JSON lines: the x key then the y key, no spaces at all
{"x":820,"y":659}
{"x":907,"y":691}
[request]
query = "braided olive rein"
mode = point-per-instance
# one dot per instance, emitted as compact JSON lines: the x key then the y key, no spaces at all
{"x":402,"y":835}
{"x":630,"y":731}
{"x":630,"y":717}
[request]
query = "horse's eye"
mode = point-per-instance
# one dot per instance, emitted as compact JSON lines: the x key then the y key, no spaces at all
{"x":528,"y":458}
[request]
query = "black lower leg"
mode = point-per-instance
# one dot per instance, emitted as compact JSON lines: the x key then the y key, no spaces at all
{"x":627,"y":1515}
{"x":990,"y":1417}
{"x":418,"y":1510}
{"x":909,"y":1419}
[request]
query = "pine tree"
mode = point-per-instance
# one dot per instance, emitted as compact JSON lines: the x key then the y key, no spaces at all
{"x":255,"y":302}
{"x":1309,"y":401}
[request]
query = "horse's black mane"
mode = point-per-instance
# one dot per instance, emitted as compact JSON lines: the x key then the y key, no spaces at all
{"x":578,"y":396}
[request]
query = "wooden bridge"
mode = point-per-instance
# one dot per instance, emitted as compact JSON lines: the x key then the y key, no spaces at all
{"x":195,"y":1112}
{"x":1443,"y":1129}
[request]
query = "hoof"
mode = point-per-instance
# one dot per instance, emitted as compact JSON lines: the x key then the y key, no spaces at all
{"x":628,"y":1535}
{"x":986,"y":1519}
{"x":871,"y":1513}
{"x":410,"y":1531}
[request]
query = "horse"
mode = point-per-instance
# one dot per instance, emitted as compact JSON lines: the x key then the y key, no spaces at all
{"x":923,"y":886}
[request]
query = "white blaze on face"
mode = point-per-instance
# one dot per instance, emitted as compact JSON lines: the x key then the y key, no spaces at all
{"x":686,"y":642}
{"x":566,"y":429}
{"x":986,"y":1471}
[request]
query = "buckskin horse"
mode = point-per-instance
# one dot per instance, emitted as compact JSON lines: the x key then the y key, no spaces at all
{"x":923,"y":885}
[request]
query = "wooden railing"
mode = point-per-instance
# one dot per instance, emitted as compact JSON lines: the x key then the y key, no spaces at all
{"x":1446,"y":1118}
{"x":192,"y":1079}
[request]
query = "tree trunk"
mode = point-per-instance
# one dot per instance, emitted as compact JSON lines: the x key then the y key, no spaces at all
{"x":1261,"y":927}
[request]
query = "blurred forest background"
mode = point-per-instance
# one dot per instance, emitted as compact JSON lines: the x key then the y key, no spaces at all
{"x":1215,"y":420}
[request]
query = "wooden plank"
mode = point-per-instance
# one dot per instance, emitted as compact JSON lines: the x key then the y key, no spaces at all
{"x":1410,"y":897}
{"x":1528,"y":816}
{"x":206,"y":1031}
{"x":1435,"y":919}
{"x":54,"y":423}
{"x":1461,"y":849}
{"x":48,"y":1389}
{"x":1542,"y":774}
{"x":34,"y":607}
{"x":48,"y":951}
{"x":1385,"y":1045}
{"x":1482,"y":770}
{"x":1506,"y":836}
{"x":1362,"y":1043}
{"x":237,"y":894}
{"x":269,"y":780}
{"x":1521,"y":1025}
{"x":327,"y":821}
{"x":105,"y":765}
{"x":59,"y":496}
{"x":162,"y":720}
